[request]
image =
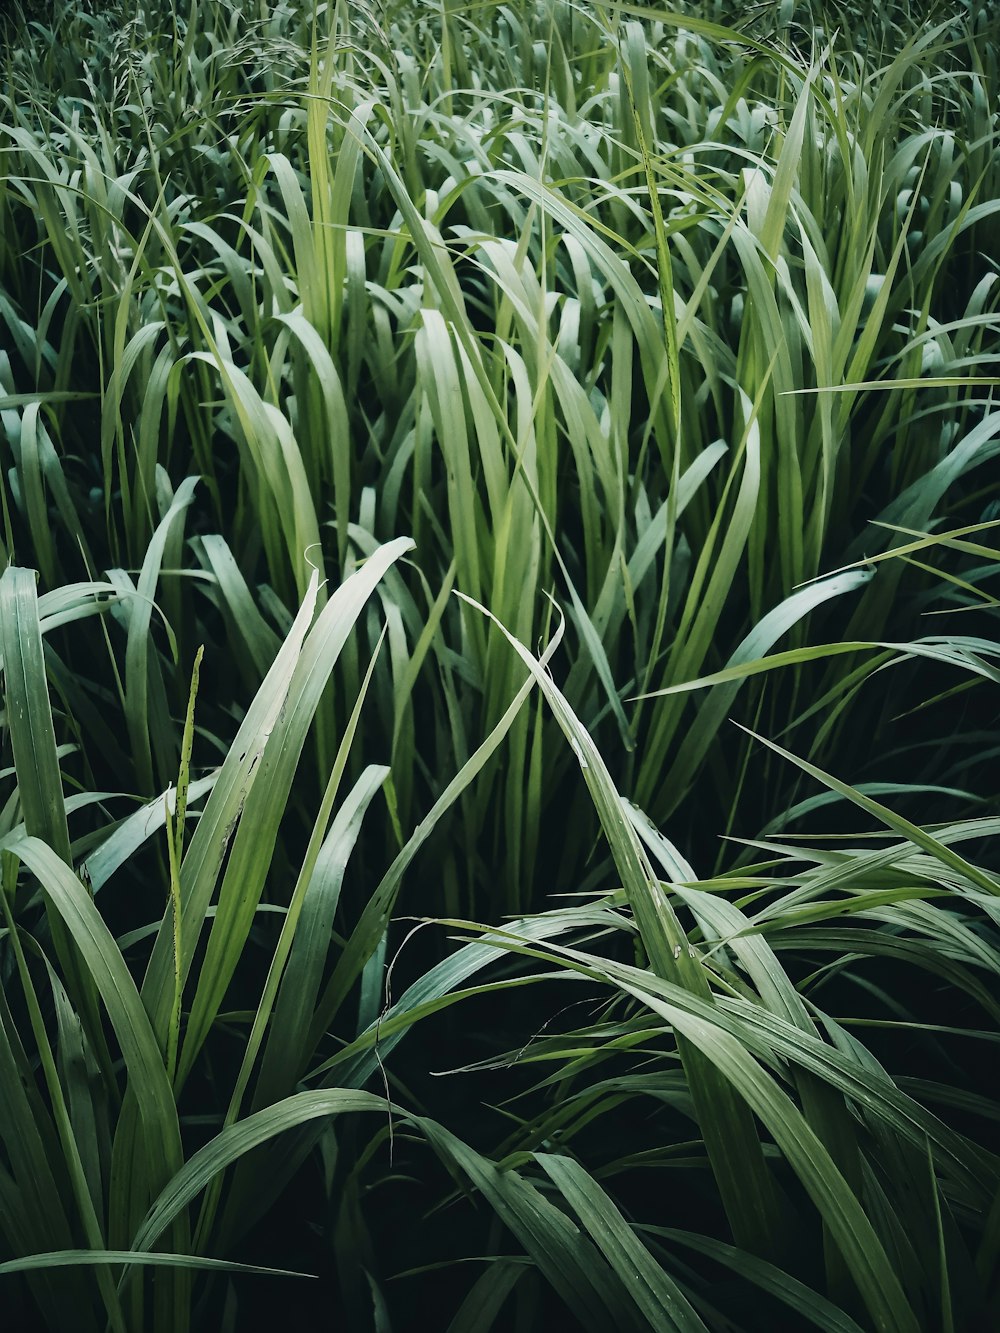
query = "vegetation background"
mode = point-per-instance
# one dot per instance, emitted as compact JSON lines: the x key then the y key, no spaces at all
{"x":498,"y":810}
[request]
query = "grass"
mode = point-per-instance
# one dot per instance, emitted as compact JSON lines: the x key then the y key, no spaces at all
{"x":426,"y":430}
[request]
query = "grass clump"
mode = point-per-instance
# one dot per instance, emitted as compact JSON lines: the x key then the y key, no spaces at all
{"x":426,"y":429}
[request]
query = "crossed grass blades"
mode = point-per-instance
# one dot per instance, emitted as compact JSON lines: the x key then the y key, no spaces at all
{"x":423,"y":428}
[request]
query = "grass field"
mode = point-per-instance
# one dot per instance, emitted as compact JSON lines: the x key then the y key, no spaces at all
{"x":499,"y":623}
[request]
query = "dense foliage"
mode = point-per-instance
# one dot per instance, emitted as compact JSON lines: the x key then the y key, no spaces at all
{"x":499,"y":524}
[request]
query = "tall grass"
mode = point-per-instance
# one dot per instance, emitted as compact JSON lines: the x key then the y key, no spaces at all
{"x":430,"y":428}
